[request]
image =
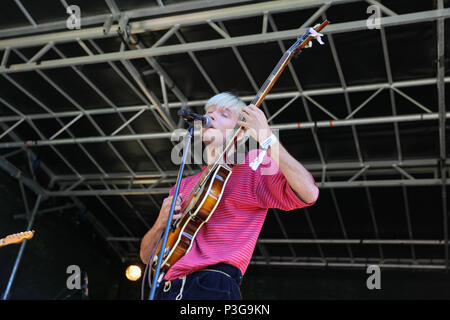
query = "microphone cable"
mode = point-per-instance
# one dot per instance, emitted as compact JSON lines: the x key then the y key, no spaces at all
{"x":149,"y":271}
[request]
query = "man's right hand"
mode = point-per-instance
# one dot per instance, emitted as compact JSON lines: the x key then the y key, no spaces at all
{"x":165,"y":210}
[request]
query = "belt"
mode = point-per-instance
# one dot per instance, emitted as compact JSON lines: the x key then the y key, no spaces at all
{"x":226,"y":269}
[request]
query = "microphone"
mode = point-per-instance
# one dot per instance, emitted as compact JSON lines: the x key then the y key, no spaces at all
{"x":190,"y":116}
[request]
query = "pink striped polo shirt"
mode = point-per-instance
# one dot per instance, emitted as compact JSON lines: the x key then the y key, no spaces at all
{"x":231,"y":233}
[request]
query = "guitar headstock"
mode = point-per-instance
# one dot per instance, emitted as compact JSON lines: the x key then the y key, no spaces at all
{"x":305,"y":40}
{"x":18,"y":237}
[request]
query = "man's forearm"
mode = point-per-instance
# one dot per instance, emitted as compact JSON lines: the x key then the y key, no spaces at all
{"x":148,"y":242}
{"x":297,"y":176}
{"x":150,"y":239}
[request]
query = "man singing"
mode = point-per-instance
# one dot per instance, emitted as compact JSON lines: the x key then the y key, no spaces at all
{"x":222,"y":249}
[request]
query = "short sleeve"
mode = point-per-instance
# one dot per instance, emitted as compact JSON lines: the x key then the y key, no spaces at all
{"x":274,"y":191}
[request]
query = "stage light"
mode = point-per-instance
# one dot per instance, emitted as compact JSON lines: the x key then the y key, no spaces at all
{"x":133,"y":272}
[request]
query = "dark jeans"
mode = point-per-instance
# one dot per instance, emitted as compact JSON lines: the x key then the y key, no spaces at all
{"x":217,"y":282}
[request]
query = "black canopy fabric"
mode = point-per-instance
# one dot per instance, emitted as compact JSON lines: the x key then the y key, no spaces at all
{"x":382,"y":178}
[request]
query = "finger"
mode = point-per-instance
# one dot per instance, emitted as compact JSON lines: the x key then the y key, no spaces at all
{"x":248,"y":110}
{"x":243,"y":124}
{"x":246,"y":116}
{"x":177,"y":216}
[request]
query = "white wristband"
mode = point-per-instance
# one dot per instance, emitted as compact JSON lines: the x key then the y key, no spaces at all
{"x":266,"y":144}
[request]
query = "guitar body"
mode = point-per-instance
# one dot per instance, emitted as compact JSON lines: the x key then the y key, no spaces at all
{"x":197,"y":212}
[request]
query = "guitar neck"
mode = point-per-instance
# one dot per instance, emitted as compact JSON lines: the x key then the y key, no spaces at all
{"x":272,"y":78}
{"x":281,"y":65}
{"x":263,"y":91}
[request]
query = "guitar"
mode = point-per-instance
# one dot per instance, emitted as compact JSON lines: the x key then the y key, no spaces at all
{"x":205,"y":196}
{"x":16,"y":238}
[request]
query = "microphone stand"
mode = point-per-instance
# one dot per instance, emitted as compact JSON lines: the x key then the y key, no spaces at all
{"x":157,"y":281}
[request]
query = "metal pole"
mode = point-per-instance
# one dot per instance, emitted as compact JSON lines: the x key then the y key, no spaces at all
{"x":178,"y":8}
{"x":322,"y":185}
{"x":138,"y":25}
{"x":22,"y":248}
{"x":168,"y":135}
{"x":199,"y":103}
{"x":158,"y":277}
{"x":427,"y":242}
{"x":349,"y":265}
{"x":442,"y":125}
{"x":19,"y":175}
{"x":388,"y":166}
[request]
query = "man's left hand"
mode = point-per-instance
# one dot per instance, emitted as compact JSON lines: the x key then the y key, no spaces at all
{"x":255,"y":122}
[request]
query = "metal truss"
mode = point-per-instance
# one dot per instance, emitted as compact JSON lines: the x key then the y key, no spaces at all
{"x":127,"y":25}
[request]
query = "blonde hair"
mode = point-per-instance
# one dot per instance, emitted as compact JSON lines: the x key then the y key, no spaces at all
{"x":226,"y":100}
